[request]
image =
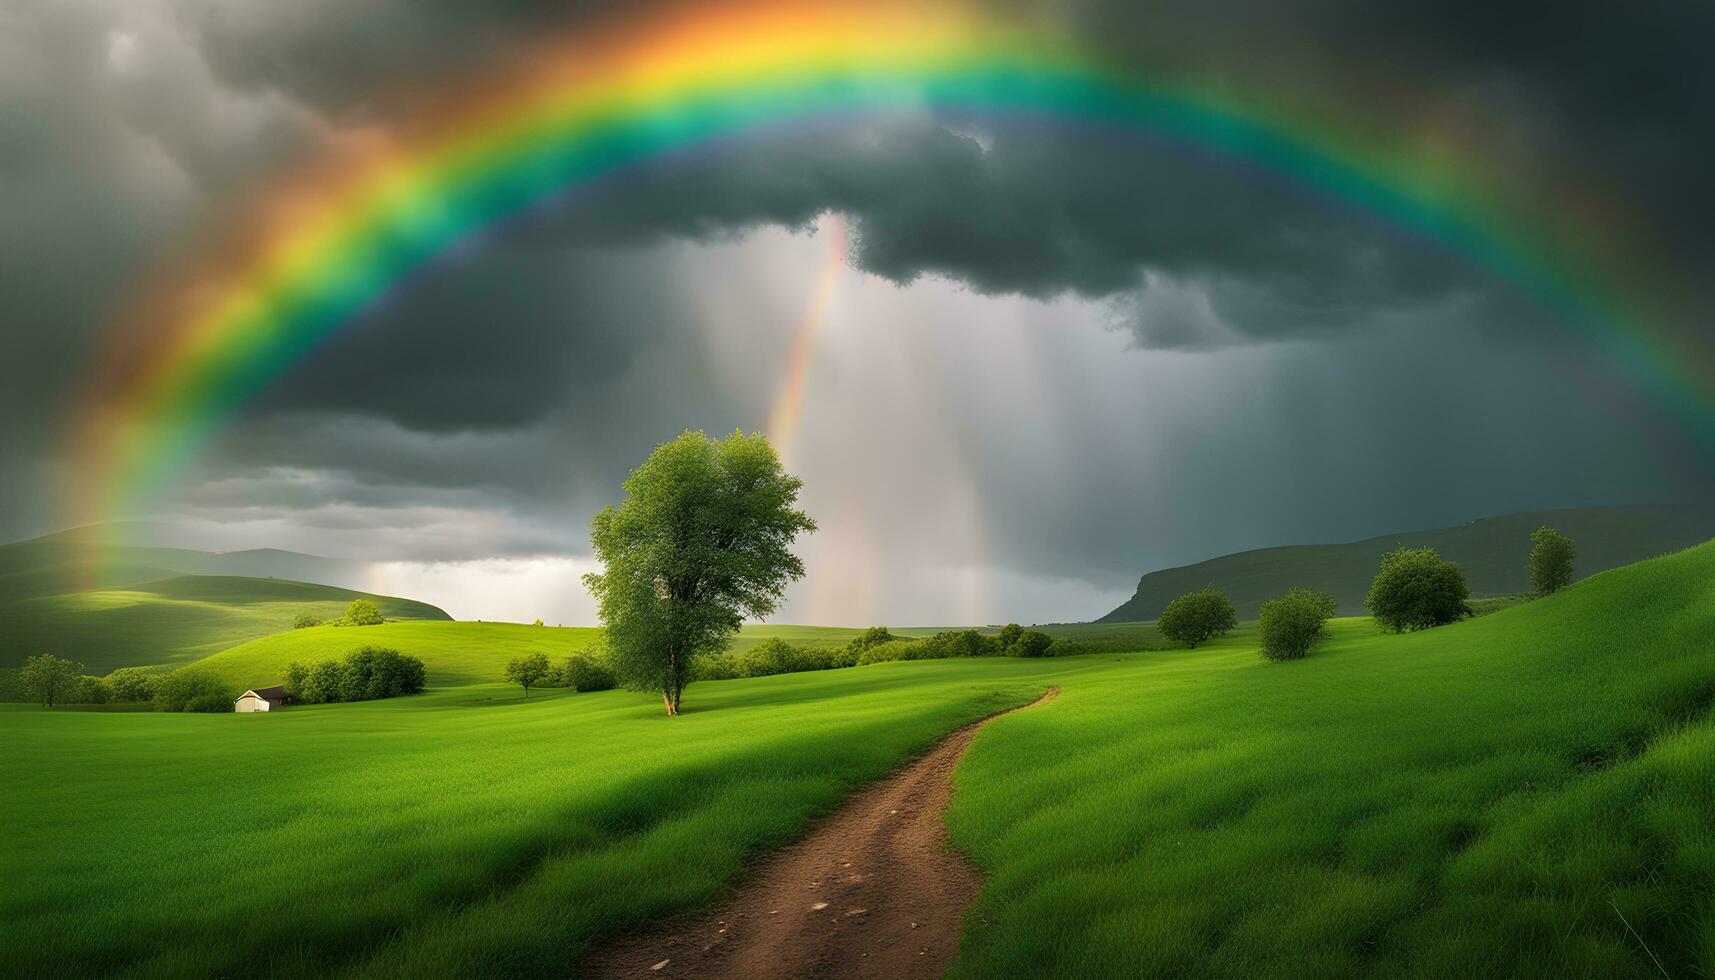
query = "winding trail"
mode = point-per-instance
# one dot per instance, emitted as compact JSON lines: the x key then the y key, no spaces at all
{"x":873,"y":890}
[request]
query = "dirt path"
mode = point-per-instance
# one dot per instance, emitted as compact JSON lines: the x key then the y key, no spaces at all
{"x":872,"y":890}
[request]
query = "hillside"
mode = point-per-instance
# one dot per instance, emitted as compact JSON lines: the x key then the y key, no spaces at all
{"x":460,"y":653}
{"x":1531,"y":793}
{"x":1491,"y":552}
{"x":173,"y":620}
{"x":104,"y":557}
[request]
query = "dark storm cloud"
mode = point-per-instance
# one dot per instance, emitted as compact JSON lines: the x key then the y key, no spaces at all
{"x":126,"y":127}
{"x":1620,"y":93}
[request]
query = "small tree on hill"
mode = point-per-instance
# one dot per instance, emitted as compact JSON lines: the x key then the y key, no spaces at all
{"x":1417,"y":589}
{"x":49,"y":679}
{"x":1197,"y":616}
{"x":362,"y":612}
{"x":305,"y":620}
{"x":1291,"y":624}
{"x":701,"y":541}
{"x":528,"y":670}
{"x":1551,"y":556}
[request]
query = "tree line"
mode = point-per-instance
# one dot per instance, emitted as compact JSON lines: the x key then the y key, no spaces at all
{"x":1414,"y":589}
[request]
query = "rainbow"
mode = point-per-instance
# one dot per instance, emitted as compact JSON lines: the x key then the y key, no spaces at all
{"x":329,"y":241}
{"x":784,"y":414}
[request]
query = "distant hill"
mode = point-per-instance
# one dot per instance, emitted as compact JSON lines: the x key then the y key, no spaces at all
{"x":101,"y":556}
{"x":1491,"y":551}
{"x":78,"y":595}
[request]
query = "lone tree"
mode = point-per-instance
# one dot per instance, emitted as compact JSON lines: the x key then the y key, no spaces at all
{"x":1197,"y":616}
{"x":48,"y":678}
{"x":1551,"y":556}
{"x":528,"y":670}
{"x":1416,"y":589}
{"x":700,"y":541}
{"x":1293,"y":623}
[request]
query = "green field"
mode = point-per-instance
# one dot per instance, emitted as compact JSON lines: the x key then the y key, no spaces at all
{"x":1491,"y":552}
{"x":477,"y":653}
{"x":1531,"y":793}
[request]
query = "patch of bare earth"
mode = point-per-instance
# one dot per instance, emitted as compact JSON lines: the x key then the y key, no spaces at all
{"x":873,"y":890}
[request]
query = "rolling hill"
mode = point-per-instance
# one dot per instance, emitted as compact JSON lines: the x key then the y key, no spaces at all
{"x":86,"y":595}
{"x":1491,"y":551}
{"x":1527,"y":794}
{"x":172,"y":621}
{"x":102,"y":557}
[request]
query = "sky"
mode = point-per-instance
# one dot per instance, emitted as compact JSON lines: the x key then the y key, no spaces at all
{"x":1051,"y":359}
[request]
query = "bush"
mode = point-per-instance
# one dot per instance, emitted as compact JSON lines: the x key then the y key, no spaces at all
{"x":585,"y":672}
{"x":361,"y":612}
{"x":90,"y":690}
{"x":1032,"y":643}
{"x":873,"y":637}
{"x":366,"y":674}
{"x":373,"y":673}
{"x":131,"y":684}
{"x":1291,"y":624}
{"x":1417,"y":589}
{"x":189,"y":689}
{"x":1197,"y":616}
{"x":305,"y":620}
{"x":1551,"y":556}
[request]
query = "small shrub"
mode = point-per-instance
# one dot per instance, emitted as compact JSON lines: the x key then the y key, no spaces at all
{"x":305,"y":620}
{"x":1551,"y":555}
{"x":1196,"y":617}
{"x":189,"y":689}
{"x":1293,"y":623}
{"x":1417,"y":589}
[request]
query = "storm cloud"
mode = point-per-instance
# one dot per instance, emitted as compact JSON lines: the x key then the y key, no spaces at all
{"x":1134,"y":351}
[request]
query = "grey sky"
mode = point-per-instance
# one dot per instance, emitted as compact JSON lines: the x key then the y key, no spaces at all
{"x":1055,"y":360}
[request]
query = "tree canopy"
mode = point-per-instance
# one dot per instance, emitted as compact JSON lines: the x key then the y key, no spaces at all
{"x":1415,"y":589}
{"x":701,"y":541}
{"x":1551,"y":555}
{"x":48,"y":678}
{"x":1197,"y":616}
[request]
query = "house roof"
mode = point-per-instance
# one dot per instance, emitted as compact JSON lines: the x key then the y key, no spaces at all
{"x":275,"y":693}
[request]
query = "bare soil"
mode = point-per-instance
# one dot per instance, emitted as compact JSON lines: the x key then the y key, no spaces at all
{"x":873,"y":890}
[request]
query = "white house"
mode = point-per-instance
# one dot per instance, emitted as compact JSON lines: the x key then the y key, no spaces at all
{"x":262,"y":699}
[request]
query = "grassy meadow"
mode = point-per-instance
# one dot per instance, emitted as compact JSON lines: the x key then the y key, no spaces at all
{"x":1531,"y":793}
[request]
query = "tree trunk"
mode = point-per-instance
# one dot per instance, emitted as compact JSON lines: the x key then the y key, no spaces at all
{"x":672,"y":705}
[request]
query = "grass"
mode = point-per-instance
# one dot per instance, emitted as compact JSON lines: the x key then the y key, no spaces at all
{"x":1490,"y":797}
{"x":1491,"y":552}
{"x":458,"y":653}
{"x":173,"y":621}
